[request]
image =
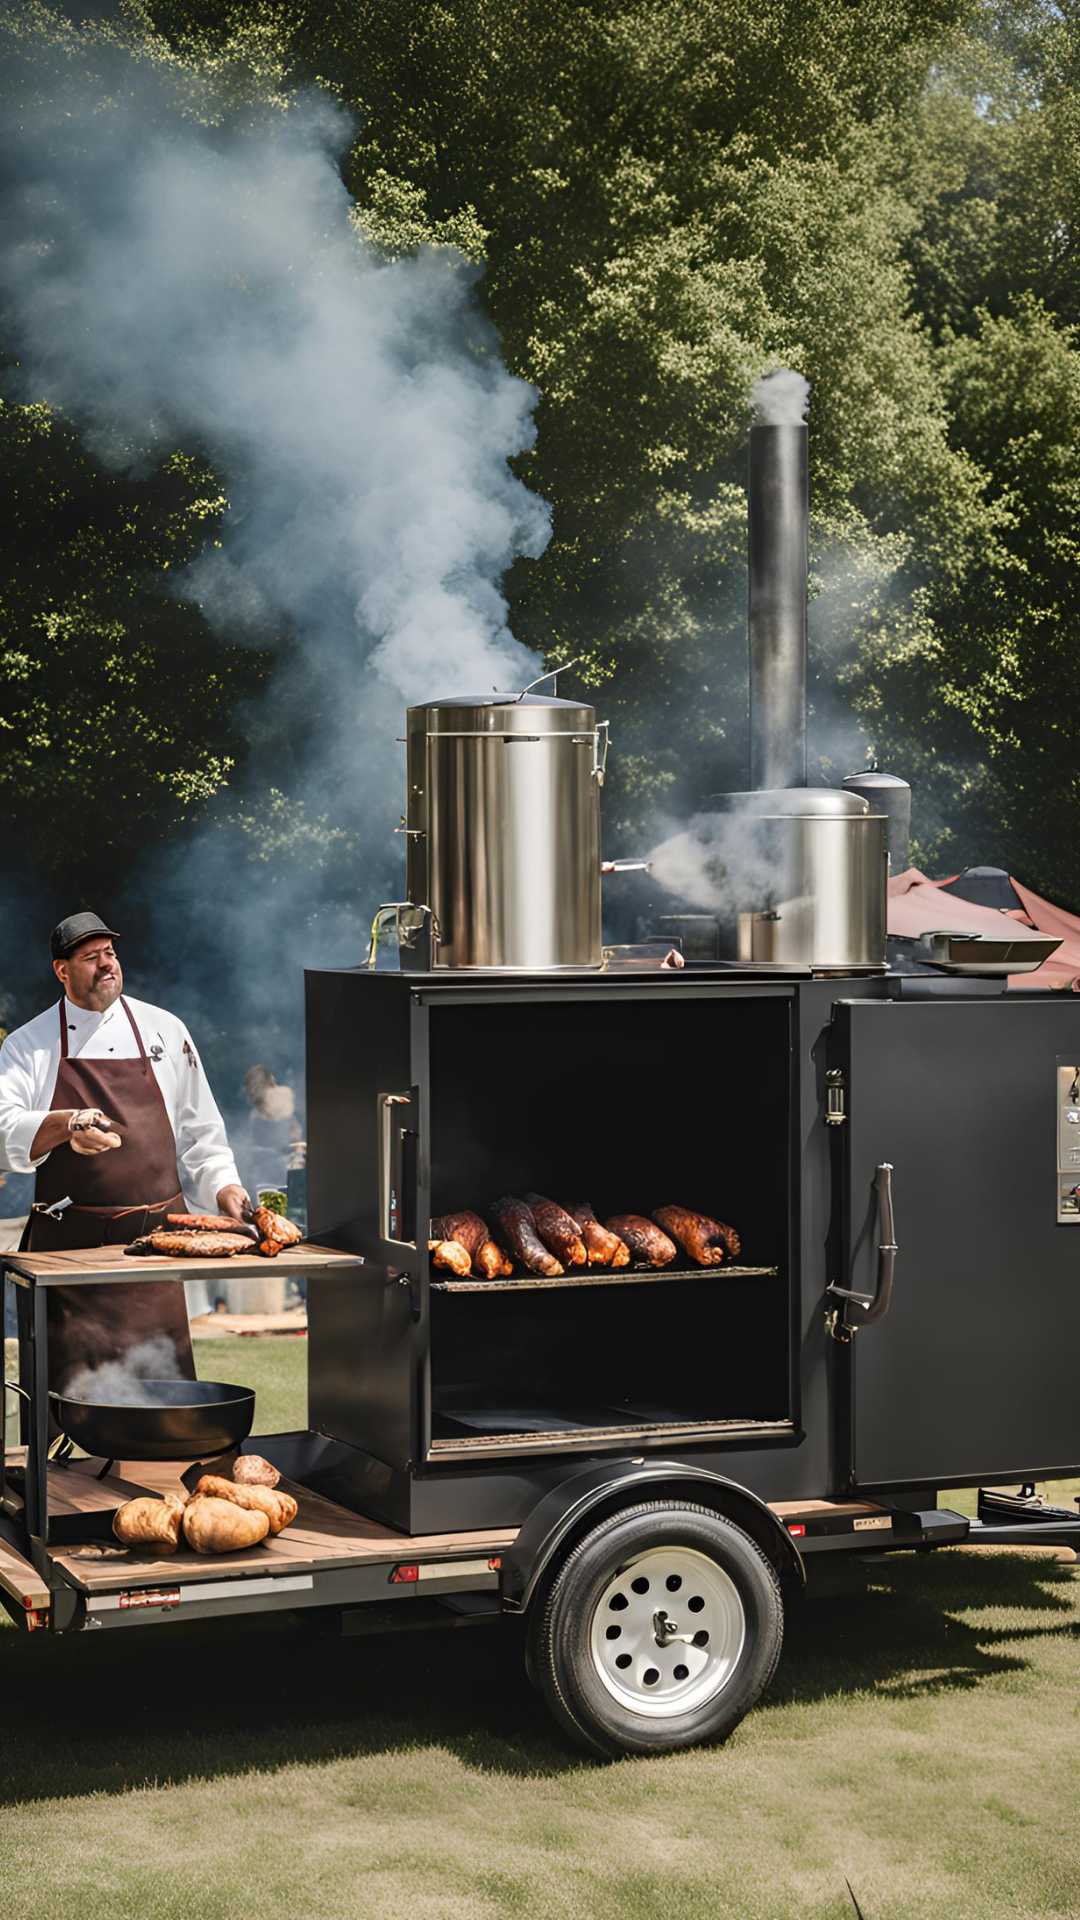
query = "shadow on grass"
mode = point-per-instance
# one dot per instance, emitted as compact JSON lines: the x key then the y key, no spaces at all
{"x":163,"y":1703}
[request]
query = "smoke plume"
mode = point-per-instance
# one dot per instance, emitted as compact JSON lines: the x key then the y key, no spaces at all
{"x":173,"y":281}
{"x":780,"y":398}
{"x":178,"y":273}
{"x":724,"y":863}
{"x":123,"y":1383}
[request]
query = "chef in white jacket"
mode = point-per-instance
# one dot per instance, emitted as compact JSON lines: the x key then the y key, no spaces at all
{"x":104,"y":1097}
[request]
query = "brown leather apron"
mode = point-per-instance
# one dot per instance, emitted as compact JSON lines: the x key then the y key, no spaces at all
{"x":115,"y":1196}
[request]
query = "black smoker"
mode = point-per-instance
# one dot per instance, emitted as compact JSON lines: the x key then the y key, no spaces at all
{"x":827,"y":1117}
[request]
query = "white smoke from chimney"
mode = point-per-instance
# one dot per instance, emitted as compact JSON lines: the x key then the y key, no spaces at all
{"x":780,"y":398}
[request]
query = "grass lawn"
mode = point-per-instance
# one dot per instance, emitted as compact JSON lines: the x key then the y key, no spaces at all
{"x":275,"y":1365}
{"x":921,"y":1740}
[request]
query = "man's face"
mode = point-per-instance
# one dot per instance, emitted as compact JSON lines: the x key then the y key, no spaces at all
{"x":91,"y":974}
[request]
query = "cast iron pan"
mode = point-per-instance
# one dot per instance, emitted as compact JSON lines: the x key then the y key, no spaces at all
{"x":176,"y":1420}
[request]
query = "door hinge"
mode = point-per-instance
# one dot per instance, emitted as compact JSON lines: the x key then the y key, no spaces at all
{"x":835,"y":1097}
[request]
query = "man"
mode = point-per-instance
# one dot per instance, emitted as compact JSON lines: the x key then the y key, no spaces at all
{"x":105,"y":1099}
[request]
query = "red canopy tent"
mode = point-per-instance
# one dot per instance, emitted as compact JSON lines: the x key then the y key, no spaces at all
{"x":919,"y":905}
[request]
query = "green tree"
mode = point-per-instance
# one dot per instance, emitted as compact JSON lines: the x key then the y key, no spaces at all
{"x":666,"y":197}
{"x":966,"y":684}
{"x":117,"y":709}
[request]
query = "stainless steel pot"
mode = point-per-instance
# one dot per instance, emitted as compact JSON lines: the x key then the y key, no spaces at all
{"x":816,"y":870}
{"x":502,"y":826}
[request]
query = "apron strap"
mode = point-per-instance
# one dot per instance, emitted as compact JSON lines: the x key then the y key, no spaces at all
{"x":138,"y":1035}
{"x":131,"y":1021}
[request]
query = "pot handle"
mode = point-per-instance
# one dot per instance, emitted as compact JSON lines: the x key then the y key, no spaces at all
{"x":875,"y":1306}
{"x":601,"y":743}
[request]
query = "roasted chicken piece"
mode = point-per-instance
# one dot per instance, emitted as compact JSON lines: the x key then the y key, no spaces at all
{"x":193,"y":1246}
{"x":644,"y":1238}
{"x":518,"y":1228}
{"x":274,"y":1230}
{"x":557,"y":1229}
{"x":705,"y":1240}
{"x":492,"y":1263}
{"x":451,"y":1256}
{"x":603,"y":1248}
{"x":207,"y":1223}
{"x":472,"y":1233}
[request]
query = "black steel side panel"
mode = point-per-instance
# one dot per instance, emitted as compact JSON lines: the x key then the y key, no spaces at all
{"x":364,"y":1362}
{"x":359,"y":1044}
{"x":972,"y":1375}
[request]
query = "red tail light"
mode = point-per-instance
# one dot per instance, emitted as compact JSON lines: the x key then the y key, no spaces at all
{"x":403,"y":1576}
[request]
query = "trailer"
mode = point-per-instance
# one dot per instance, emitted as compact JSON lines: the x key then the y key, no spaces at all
{"x":644,"y":1467}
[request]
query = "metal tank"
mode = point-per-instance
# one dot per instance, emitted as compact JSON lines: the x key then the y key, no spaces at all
{"x":806,"y":871}
{"x":502,"y":826}
{"x":890,"y":795}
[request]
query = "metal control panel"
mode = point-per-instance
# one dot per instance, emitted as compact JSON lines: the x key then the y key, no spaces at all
{"x":1068,"y":1142}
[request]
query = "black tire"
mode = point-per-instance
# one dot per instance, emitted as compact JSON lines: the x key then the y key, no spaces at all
{"x":568,"y":1652}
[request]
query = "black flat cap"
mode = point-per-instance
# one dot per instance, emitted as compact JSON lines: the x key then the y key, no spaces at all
{"x":77,"y":926}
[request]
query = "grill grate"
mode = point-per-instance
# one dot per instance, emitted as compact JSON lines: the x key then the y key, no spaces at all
{"x":567,"y":1437}
{"x":604,"y":1277}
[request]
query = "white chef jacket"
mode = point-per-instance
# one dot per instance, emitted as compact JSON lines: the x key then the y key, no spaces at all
{"x":29,"y":1059}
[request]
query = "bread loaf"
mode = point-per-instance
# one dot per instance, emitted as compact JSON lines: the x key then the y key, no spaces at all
{"x":279,"y":1508}
{"x":251,"y":1470}
{"x":220,"y":1526}
{"x":150,"y":1522}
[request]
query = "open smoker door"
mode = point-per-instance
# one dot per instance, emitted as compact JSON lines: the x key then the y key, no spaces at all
{"x":969,"y":1374}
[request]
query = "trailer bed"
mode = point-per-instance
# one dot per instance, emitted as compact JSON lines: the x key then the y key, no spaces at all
{"x":328,"y":1554}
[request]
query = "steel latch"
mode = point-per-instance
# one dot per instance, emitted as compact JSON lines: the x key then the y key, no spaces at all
{"x":835,"y":1098}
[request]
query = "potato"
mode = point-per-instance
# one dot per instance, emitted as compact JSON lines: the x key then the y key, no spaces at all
{"x":149,"y":1522}
{"x":279,"y":1508}
{"x":251,"y":1470}
{"x":219,"y":1526}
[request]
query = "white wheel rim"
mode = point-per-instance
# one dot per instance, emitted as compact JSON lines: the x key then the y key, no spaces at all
{"x":661,"y":1593}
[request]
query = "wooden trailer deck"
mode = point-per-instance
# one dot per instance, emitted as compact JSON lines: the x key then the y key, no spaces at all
{"x":323,"y":1537}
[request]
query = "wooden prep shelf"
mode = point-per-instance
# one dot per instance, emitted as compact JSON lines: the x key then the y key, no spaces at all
{"x":88,"y":1264}
{"x":622,"y":1277}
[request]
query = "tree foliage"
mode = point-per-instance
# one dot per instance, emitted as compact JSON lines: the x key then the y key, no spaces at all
{"x":666,"y":198}
{"x":116,"y":715}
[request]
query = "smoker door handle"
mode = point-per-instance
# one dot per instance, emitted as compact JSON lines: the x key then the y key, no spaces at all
{"x":887,"y":1248}
{"x":875,"y":1306}
{"x":387,"y":1217}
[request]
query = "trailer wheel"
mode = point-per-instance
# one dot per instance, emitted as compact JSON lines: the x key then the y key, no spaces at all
{"x":660,"y":1630}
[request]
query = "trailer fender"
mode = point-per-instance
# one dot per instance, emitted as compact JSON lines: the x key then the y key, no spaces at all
{"x":567,"y":1512}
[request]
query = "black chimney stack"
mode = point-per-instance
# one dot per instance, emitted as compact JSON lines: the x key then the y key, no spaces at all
{"x":779,"y":517}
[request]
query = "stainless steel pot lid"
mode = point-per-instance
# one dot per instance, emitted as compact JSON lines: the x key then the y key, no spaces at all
{"x":786,"y":803}
{"x":534,"y":714}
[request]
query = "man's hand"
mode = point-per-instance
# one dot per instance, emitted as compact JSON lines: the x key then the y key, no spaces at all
{"x":84,"y":1129}
{"x":94,"y":1137}
{"x":233,"y":1201}
{"x":91,"y":1131}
